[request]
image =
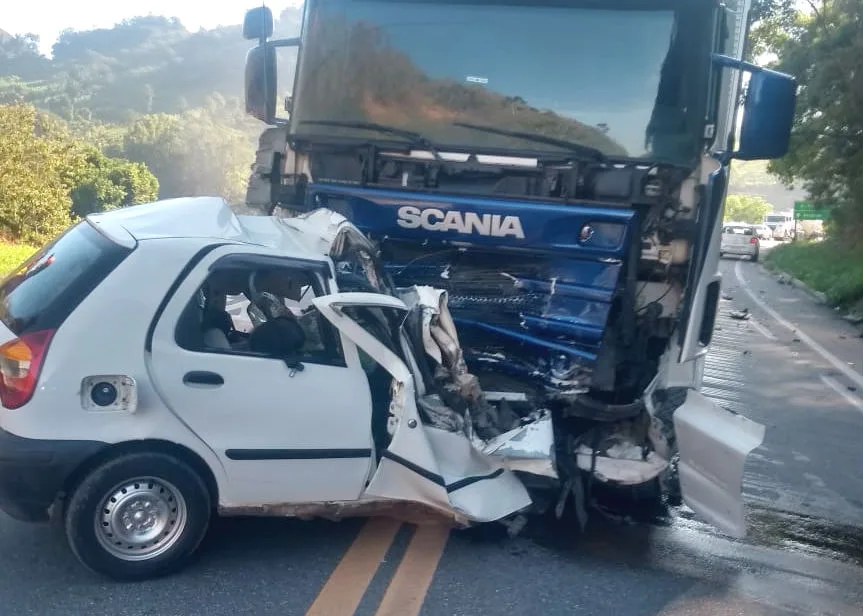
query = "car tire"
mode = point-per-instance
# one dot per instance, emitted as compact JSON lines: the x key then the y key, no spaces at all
{"x":754,"y":258}
{"x":160,"y":494}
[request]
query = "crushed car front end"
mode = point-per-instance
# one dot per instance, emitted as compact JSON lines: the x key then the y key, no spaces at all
{"x":558,"y":454}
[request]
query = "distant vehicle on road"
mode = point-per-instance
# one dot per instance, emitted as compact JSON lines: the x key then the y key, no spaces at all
{"x":764,"y":232}
{"x":781,"y":224}
{"x":740,"y":239}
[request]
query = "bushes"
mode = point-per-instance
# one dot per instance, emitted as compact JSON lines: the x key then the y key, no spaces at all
{"x":47,"y":178}
{"x":831,"y":267}
{"x":13,"y":255}
{"x":34,"y":197}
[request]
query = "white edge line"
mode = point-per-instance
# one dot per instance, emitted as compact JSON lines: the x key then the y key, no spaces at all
{"x":764,"y":331}
{"x":840,"y":365}
{"x":837,"y":387}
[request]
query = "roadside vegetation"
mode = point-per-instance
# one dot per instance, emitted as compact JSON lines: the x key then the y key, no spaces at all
{"x":831,"y":267}
{"x":12,"y":255}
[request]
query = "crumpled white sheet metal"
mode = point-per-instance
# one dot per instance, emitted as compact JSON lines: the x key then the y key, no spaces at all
{"x":528,"y":448}
{"x":620,"y":465}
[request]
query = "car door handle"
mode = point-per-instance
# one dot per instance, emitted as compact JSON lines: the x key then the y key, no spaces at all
{"x":203,"y":377}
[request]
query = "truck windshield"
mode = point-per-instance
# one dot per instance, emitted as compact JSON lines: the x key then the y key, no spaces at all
{"x":630,"y":83}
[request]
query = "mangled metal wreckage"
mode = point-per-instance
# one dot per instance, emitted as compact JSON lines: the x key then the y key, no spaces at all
{"x":525,"y":435}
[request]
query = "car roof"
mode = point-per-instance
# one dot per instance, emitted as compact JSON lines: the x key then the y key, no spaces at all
{"x":210,"y":218}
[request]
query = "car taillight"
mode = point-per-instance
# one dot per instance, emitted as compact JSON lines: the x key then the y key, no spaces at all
{"x":753,"y":240}
{"x":20,"y":363}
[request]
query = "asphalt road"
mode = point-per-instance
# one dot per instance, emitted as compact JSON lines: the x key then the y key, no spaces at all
{"x":793,"y":365}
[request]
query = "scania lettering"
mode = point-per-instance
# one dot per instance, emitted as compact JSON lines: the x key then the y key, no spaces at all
{"x":573,"y":223}
{"x":432,"y":219}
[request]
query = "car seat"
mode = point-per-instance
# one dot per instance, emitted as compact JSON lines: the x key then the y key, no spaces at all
{"x":280,"y":337}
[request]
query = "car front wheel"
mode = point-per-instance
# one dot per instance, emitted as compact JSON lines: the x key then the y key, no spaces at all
{"x":138,"y":516}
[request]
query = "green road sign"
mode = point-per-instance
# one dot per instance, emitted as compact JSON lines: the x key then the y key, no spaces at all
{"x":806,"y":210}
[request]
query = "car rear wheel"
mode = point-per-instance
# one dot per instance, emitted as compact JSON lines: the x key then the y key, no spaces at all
{"x":138,"y":516}
{"x":754,"y":257}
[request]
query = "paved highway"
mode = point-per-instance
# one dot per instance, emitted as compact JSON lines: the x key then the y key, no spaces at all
{"x":793,"y":365}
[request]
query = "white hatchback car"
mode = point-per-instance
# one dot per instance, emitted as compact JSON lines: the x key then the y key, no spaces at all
{"x":740,"y":239}
{"x":167,"y":361}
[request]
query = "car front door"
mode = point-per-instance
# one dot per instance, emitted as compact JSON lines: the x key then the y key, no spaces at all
{"x":290,"y":424}
{"x":420,"y":463}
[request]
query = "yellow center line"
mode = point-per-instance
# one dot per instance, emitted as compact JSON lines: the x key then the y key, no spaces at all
{"x":408,"y":588}
{"x":348,"y":582}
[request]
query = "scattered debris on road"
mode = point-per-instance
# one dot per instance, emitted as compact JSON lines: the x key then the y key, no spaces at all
{"x":740,"y":315}
{"x":727,"y":297}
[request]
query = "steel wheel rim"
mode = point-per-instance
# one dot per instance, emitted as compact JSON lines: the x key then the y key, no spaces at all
{"x":140,"y":519}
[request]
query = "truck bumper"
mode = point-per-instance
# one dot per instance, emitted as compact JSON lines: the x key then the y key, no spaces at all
{"x":34,"y":471}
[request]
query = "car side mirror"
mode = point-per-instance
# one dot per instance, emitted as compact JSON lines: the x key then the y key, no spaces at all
{"x":768,"y":111}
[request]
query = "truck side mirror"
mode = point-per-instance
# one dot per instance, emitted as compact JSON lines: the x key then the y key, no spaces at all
{"x":261,"y":83}
{"x":263,"y":77}
{"x":258,"y":23}
{"x":768,"y":111}
{"x":768,"y":115}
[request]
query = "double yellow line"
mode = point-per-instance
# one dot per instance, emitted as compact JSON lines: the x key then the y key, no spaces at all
{"x":344,"y":589}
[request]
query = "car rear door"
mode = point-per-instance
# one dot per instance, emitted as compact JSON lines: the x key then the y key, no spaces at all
{"x":738,"y":236}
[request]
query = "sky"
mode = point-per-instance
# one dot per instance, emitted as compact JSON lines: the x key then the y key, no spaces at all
{"x":48,"y":18}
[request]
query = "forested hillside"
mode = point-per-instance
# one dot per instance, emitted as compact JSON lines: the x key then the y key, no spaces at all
{"x":142,"y":65}
{"x":147,"y":91}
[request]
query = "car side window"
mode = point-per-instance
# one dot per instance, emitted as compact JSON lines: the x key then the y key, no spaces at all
{"x":246,"y":308}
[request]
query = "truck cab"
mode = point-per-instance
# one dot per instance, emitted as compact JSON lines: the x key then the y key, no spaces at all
{"x":564,"y":190}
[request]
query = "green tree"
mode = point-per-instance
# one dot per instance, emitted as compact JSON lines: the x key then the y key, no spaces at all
{"x":746,"y":208}
{"x":108,"y":183}
{"x":826,"y":154}
{"x":194,"y":153}
{"x":48,"y":178}
{"x":34,"y":196}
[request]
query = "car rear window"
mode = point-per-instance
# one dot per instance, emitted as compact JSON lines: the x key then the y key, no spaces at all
{"x":739,"y":230}
{"x":46,"y":288}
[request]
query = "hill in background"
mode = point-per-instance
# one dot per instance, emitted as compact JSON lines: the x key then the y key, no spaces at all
{"x":752,"y":178}
{"x":142,"y":65}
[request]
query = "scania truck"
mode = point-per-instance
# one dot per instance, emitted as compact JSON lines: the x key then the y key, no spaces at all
{"x":558,"y":168}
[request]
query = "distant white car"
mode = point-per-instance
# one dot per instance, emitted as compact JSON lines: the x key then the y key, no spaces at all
{"x":741,"y":240}
{"x":764,"y":232}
